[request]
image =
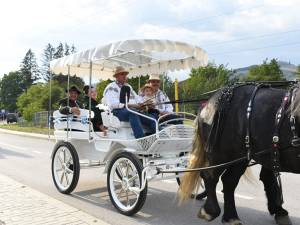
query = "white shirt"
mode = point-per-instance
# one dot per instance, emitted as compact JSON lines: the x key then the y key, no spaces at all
{"x":161,"y":97}
{"x":112,"y":96}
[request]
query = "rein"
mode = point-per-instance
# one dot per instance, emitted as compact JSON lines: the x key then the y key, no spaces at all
{"x":227,"y":164}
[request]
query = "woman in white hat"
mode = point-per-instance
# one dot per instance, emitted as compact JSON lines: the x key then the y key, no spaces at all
{"x":160,"y":96}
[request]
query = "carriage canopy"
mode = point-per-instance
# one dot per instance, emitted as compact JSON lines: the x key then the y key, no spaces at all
{"x":139,"y":57}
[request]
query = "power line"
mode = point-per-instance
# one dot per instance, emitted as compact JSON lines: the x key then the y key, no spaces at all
{"x":253,"y":37}
{"x":202,"y":19}
{"x":255,"y":49}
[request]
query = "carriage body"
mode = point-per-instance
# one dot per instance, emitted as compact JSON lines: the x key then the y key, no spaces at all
{"x":78,"y":146}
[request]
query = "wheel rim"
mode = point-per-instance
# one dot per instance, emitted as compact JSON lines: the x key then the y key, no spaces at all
{"x":63,"y":168}
{"x":123,"y":176}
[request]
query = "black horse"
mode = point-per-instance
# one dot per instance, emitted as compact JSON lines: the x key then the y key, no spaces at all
{"x":220,"y":138}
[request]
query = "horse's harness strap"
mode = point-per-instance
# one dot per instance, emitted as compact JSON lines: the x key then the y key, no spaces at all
{"x":248,"y":120}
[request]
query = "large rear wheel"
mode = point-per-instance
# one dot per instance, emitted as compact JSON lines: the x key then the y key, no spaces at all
{"x":65,"y":167}
{"x":123,"y":179}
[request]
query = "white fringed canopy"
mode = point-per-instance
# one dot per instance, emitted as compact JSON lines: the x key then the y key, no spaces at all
{"x":139,"y":57}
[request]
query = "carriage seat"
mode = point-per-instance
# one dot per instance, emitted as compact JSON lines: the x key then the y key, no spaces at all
{"x":76,"y":123}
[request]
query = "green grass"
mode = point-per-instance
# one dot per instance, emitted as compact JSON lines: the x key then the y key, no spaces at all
{"x":27,"y":129}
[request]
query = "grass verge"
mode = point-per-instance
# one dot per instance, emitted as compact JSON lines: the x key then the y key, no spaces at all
{"x":27,"y":129}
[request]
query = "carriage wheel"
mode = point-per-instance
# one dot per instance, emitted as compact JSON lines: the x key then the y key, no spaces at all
{"x":65,"y":167}
{"x":124,"y":171}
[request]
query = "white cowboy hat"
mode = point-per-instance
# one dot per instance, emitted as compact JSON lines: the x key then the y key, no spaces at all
{"x":120,"y":70}
{"x":154,"y":77}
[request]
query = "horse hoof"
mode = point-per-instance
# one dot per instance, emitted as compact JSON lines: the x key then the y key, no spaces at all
{"x":232,"y":222}
{"x":202,"y":214}
{"x":283,"y":220}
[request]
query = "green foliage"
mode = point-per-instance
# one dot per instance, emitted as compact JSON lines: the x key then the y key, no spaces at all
{"x":298,"y":72}
{"x":29,"y":70}
{"x":59,"y":51}
{"x":268,"y":71}
{"x":138,"y":82}
{"x":36,"y":99}
{"x":204,"y":79}
{"x":100,"y":88}
{"x":10,"y":90}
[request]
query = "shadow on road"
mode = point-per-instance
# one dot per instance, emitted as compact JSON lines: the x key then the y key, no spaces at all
{"x":161,"y":208}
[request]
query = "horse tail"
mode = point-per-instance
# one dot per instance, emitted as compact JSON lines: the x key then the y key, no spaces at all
{"x":191,"y":180}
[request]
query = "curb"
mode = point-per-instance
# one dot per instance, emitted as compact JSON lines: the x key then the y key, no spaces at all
{"x":26,"y":134}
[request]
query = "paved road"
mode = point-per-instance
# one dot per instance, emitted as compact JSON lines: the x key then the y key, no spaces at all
{"x":27,"y":160}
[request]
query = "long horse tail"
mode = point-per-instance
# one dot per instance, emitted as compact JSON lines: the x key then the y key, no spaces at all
{"x":192,"y":180}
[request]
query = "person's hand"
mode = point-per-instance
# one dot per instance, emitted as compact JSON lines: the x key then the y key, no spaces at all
{"x":135,"y":106}
{"x":75,"y":111}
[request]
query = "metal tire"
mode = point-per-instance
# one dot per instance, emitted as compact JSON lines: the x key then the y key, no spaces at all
{"x":136,"y":167}
{"x":68,"y":166}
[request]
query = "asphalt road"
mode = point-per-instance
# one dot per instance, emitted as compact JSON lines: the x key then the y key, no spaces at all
{"x":27,"y":160}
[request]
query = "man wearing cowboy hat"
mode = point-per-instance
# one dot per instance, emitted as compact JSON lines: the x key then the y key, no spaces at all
{"x":160,"y":96}
{"x":112,"y":99}
{"x":70,"y":105}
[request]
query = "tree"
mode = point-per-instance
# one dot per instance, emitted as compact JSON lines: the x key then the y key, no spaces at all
{"x":67,"y":49}
{"x":29,"y":70}
{"x":59,"y":51}
{"x":268,"y":71}
{"x":73,"y":49}
{"x":100,"y":88}
{"x":204,"y":79}
{"x":36,"y":99}
{"x":47,"y":56}
{"x":298,"y":72}
{"x":10,"y":90}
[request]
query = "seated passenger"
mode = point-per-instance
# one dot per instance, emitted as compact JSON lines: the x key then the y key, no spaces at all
{"x":70,"y":105}
{"x":112,"y":99}
{"x":97,"y":120}
{"x":160,"y":98}
{"x":149,"y":101}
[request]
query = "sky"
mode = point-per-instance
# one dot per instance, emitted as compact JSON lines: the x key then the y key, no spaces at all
{"x":234,"y":33}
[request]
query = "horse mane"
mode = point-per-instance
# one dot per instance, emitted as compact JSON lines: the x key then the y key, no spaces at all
{"x":294,"y":109}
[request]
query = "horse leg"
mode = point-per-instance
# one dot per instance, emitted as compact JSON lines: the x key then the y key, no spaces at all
{"x":273,"y":196}
{"x":211,"y":208}
{"x":230,"y":181}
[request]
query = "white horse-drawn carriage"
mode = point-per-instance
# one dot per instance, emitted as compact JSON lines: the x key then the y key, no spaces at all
{"x":130,"y":163}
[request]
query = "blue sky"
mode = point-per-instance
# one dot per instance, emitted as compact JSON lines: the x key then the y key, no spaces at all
{"x":236,"y":33}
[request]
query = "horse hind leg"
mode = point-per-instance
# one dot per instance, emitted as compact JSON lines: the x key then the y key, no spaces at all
{"x":230,"y":181}
{"x":211,"y":208}
{"x":273,"y":196}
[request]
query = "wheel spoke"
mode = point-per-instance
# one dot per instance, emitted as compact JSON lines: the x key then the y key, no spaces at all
{"x":58,"y":170}
{"x":136,"y":193}
{"x":120,"y":170}
{"x":64,"y":151}
{"x":121,"y":191}
{"x":60,"y":160}
{"x":127,"y":169}
{"x":133,"y":178}
{"x":127,"y":199}
{"x":67,"y":178}
{"x":117,"y":181}
{"x":69,"y":171}
{"x":62,"y":177}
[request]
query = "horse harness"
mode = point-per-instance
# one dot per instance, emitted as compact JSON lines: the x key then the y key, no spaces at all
{"x":289,"y":97}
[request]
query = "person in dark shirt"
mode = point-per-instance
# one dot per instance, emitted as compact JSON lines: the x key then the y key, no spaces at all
{"x":97,"y":120}
{"x":73,"y":107}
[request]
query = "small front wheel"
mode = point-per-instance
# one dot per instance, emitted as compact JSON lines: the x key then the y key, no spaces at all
{"x":123,"y":179}
{"x":65,"y":167}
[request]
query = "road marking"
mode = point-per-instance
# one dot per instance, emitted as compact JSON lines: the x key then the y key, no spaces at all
{"x":170,"y":181}
{"x":237,"y":195}
{"x":12,"y":146}
{"x":37,"y":152}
